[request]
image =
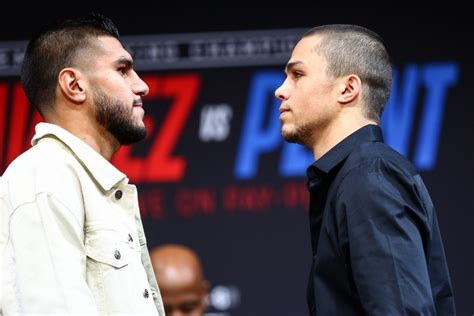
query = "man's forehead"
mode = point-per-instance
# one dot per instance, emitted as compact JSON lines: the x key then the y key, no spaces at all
{"x":112,"y":48}
{"x":307,"y":44}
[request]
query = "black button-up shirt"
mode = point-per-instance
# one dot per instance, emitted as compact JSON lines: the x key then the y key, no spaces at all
{"x":377,"y":249}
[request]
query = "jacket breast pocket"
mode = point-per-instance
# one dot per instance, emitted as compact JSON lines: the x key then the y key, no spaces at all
{"x":109,"y":270}
{"x":104,"y":246}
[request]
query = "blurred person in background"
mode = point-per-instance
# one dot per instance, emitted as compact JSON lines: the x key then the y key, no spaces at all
{"x":183,"y":286}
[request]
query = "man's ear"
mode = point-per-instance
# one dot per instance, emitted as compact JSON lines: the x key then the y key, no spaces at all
{"x":72,"y":85}
{"x":351,"y":87}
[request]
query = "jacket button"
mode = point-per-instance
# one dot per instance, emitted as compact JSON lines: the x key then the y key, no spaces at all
{"x":118,"y":194}
{"x":117,"y":255}
{"x":130,"y":239}
{"x":145,"y":294}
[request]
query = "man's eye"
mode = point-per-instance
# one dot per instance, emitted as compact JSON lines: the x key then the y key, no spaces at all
{"x":297,"y":74}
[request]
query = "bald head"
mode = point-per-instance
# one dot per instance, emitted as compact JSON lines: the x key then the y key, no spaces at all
{"x":181,"y":280}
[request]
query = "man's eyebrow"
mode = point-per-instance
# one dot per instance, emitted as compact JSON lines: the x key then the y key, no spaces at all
{"x":127,"y":62}
{"x":291,"y":65}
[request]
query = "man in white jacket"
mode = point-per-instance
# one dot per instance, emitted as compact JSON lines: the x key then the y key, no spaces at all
{"x":4,"y":213}
{"x":75,"y":242}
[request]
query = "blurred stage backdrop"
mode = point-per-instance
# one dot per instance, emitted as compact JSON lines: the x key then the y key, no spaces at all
{"x":214,"y":173}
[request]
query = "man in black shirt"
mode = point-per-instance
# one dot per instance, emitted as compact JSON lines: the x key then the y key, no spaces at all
{"x":377,"y":249}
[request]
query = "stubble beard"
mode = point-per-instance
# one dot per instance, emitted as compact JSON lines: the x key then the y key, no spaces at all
{"x":299,"y":135}
{"x":117,"y":118}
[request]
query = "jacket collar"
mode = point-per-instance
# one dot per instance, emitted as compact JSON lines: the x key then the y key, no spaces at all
{"x":103,"y":172}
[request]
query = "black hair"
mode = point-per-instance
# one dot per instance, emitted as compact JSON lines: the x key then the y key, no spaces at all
{"x":56,"y":47}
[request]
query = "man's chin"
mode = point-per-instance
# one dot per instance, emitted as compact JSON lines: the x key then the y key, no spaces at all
{"x":130,"y":136}
{"x":295,"y":138}
{"x":289,"y":137}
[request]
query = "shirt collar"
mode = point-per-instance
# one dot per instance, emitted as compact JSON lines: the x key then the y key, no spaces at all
{"x":337,"y":154}
{"x":104,"y":173}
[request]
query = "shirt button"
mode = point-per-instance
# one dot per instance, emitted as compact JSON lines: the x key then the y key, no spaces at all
{"x":118,"y":194}
{"x":130,"y":239}
{"x":145,"y":294}
{"x":117,"y":255}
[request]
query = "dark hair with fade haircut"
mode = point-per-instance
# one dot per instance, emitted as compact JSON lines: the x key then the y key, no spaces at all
{"x":353,"y":49}
{"x":55,"y":48}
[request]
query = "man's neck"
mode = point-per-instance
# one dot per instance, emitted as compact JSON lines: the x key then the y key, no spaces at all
{"x":92,"y":134}
{"x":336,"y":132}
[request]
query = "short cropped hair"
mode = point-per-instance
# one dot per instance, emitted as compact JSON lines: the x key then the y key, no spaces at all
{"x":56,"y":47}
{"x":352,"y":49}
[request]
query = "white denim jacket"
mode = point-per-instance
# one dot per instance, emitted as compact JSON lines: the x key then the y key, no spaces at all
{"x":75,"y":243}
{"x":4,"y":214}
